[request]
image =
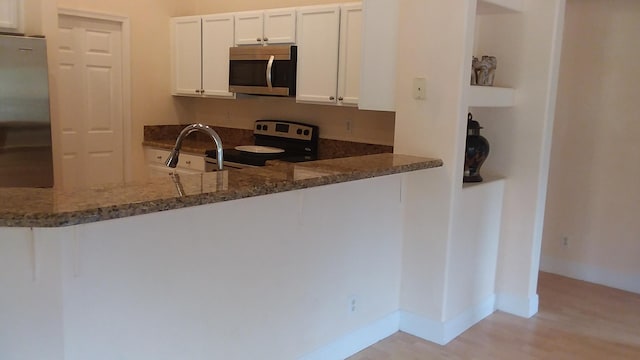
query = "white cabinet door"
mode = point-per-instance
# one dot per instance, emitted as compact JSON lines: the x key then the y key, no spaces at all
{"x":186,"y":36}
{"x":318,"y":36}
{"x":10,"y":15}
{"x":280,"y":26}
{"x":217,"y":38}
{"x":249,"y":25}
{"x":350,"y":54}
{"x":276,"y":26}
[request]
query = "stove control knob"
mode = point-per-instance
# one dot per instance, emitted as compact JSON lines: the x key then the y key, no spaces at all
{"x":299,"y":131}
{"x":306,"y":132}
{"x":259,"y":127}
{"x":265,"y":127}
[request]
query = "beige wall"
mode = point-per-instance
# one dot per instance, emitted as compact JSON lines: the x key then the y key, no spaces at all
{"x":593,"y":197}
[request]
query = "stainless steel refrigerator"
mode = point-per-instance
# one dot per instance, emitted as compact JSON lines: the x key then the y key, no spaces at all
{"x":25,"y":126}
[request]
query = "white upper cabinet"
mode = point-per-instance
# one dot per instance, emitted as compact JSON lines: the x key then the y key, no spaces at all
{"x":217,"y":38}
{"x":350,"y":54}
{"x":277,"y":26}
{"x":318,"y":37}
{"x":200,"y":55}
{"x":329,"y":54}
{"x":186,"y":50}
{"x":10,"y":15}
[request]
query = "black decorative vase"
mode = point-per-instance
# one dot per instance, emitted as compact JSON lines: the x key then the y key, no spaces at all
{"x":477,"y":150}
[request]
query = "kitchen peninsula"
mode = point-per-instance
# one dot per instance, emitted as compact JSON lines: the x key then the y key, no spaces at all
{"x":196,"y":275}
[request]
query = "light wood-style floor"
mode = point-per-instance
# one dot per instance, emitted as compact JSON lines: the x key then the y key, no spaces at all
{"x":576,"y":320}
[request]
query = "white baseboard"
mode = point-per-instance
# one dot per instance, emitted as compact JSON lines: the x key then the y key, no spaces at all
{"x":590,"y":273}
{"x":517,"y":305}
{"x":443,"y":332}
{"x":422,"y":327}
{"x":417,"y":325}
{"x":358,"y":340}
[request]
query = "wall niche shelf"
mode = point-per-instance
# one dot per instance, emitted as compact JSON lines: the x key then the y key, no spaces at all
{"x":491,"y":96}
{"x":487,"y":179}
{"x":486,"y":7}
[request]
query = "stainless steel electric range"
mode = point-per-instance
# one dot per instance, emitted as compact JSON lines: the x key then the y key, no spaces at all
{"x":273,"y":140}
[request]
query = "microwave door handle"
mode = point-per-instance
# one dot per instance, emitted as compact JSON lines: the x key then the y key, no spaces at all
{"x":269,"y":67}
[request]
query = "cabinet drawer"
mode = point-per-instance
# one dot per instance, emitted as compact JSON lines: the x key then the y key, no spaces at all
{"x":191,"y":162}
{"x":156,"y":156}
{"x":186,"y":161}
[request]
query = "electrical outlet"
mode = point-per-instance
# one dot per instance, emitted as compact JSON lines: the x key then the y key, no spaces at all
{"x":353,"y":304}
{"x":420,"y":88}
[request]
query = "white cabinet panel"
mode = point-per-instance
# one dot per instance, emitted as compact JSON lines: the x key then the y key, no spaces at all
{"x":249,"y":27}
{"x":10,"y":15}
{"x":280,"y":26}
{"x":200,"y":55}
{"x":276,"y":26}
{"x":318,"y":37}
{"x":217,"y":38}
{"x":187,"y":55}
{"x":350,"y":54}
{"x":329,"y":54}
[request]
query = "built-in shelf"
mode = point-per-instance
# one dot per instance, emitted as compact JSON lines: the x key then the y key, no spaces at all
{"x":491,"y":96}
{"x":487,"y":179}
{"x":486,"y":7}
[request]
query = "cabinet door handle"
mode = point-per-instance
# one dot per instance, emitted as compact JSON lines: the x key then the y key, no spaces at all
{"x":159,"y":157}
{"x":331,"y":98}
{"x":202,"y":91}
{"x":340,"y":98}
{"x":258,"y":39}
{"x":188,"y":162}
{"x":265,"y":39}
{"x":197,"y":91}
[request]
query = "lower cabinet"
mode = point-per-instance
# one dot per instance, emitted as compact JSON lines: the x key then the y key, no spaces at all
{"x":188,"y":164}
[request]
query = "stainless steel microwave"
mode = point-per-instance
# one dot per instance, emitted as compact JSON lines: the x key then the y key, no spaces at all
{"x":263,"y":70}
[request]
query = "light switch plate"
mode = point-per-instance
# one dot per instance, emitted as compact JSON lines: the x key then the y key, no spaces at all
{"x":420,"y":88}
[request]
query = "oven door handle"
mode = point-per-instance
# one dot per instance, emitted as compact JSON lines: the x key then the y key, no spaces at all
{"x":269,"y":68}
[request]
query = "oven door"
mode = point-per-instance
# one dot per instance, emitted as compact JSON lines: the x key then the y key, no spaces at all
{"x":263,"y":70}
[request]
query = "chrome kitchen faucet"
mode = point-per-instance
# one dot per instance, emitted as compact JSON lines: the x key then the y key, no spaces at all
{"x":172,"y":160}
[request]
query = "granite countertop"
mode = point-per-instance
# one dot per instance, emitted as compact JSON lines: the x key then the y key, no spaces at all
{"x":164,"y":137}
{"x":27,"y":207}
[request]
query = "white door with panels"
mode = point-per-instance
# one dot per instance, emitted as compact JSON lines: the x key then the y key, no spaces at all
{"x":90,"y":95}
